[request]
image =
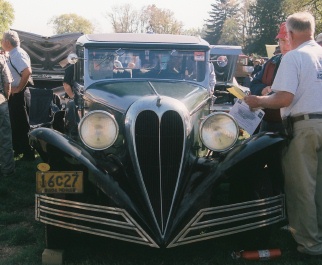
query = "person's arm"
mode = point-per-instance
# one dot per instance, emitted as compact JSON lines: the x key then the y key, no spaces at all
{"x":277,"y":100}
{"x":68,"y":81}
{"x":256,"y":85}
{"x":7,"y":89}
{"x":25,"y":74}
{"x":68,"y":89}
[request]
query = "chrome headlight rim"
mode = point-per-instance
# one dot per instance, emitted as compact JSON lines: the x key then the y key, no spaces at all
{"x":233,"y":137}
{"x":89,"y":115}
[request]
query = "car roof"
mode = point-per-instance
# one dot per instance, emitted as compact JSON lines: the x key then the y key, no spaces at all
{"x":142,"y":40}
{"x":225,"y":49}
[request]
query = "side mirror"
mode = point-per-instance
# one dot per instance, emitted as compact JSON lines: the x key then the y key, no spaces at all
{"x":222,"y":61}
{"x":72,"y":58}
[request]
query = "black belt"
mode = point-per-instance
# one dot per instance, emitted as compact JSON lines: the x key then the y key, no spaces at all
{"x":308,"y":116}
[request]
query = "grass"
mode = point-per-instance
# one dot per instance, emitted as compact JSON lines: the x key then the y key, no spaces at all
{"x":22,"y":238}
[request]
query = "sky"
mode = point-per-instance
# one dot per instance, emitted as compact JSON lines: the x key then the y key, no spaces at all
{"x":33,"y":15}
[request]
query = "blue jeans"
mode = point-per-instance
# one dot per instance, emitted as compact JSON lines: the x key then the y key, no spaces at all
{"x":7,"y":163}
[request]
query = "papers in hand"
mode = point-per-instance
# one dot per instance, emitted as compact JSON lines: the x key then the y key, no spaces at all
{"x":247,"y":119}
{"x":239,"y":91}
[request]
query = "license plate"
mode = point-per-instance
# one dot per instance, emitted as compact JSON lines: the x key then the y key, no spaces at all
{"x":59,"y":182}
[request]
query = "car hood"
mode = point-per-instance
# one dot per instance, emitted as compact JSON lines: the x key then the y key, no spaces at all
{"x":47,"y":52}
{"x":121,"y":95}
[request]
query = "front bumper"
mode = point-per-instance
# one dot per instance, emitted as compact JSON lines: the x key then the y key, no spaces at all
{"x":117,"y":223}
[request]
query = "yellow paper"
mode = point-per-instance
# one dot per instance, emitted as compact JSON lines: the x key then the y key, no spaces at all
{"x":237,"y":92}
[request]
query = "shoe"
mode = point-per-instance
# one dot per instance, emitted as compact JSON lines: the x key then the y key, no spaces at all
{"x":9,"y":174}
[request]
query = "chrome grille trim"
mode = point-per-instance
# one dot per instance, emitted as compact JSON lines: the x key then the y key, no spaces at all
{"x":270,"y":211}
{"x":161,"y":201}
{"x":47,"y":211}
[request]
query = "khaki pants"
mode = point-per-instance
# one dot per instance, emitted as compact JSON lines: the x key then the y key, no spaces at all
{"x":302,"y":163}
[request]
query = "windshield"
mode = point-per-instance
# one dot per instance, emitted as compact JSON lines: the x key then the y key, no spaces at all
{"x":159,"y":64}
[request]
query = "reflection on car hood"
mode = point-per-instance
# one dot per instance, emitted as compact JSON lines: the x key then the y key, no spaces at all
{"x":120,"y":95}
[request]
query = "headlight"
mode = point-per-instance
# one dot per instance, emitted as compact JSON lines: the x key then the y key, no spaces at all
{"x":98,"y":130}
{"x":219,"y":131}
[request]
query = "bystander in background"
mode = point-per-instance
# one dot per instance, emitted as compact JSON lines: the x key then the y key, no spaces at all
{"x":261,"y":83}
{"x":68,"y":81}
{"x":257,"y":67}
{"x":7,"y":163}
{"x":247,"y":80}
{"x":20,"y":67}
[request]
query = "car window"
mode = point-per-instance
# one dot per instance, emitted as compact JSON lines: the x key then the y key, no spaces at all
{"x":158,"y":64}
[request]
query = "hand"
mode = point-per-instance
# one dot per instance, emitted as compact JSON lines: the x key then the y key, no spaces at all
{"x":252,"y":101}
{"x":266,"y":90}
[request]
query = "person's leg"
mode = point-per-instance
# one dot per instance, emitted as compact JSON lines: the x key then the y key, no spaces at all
{"x":318,"y":195}
{"x":20,"y":126}
{"x":6,"y":152}
{"x":300,"y":166}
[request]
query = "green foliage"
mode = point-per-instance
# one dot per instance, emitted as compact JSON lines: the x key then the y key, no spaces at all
{"x":222,"y":10}
{"x":6,"y":15}
{"x":21,"y":237}
{"x":230,"y":33}
{"x":254,"y":23}
{"x":314,"y":6}
{"x":69,"y":23}
{"x":266,"y":16}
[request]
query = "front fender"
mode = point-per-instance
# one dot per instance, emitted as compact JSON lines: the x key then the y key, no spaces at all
{"x":257,"y":148}
{"x":253,"y":147}
{"x":99,"y":178}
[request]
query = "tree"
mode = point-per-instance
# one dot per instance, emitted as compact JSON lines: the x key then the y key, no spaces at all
{"x":230,"y":34}
{"x":124,"y":19}
{"x":314,"y":6}
{"x":266,"y":16}
{"x":194,"y":32}
{"x":68,"y":23}
{"x":161,"y":20}
{"x":221,"y":11}
{"x":149,"y":19}
{"x":6,"y":15}
{"x":246,"y":22}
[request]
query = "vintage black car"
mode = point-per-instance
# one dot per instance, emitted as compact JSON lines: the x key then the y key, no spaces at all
{"x":141,"y":154}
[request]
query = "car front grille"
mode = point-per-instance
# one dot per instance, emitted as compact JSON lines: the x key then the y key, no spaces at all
{"x":159,"y":145}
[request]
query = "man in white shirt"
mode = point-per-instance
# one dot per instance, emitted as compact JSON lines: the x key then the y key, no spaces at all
{"x":298,"y":92}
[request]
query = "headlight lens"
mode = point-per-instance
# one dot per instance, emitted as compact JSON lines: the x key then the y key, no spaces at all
{"x":98,"y":130}
{"x":219,"y":131}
